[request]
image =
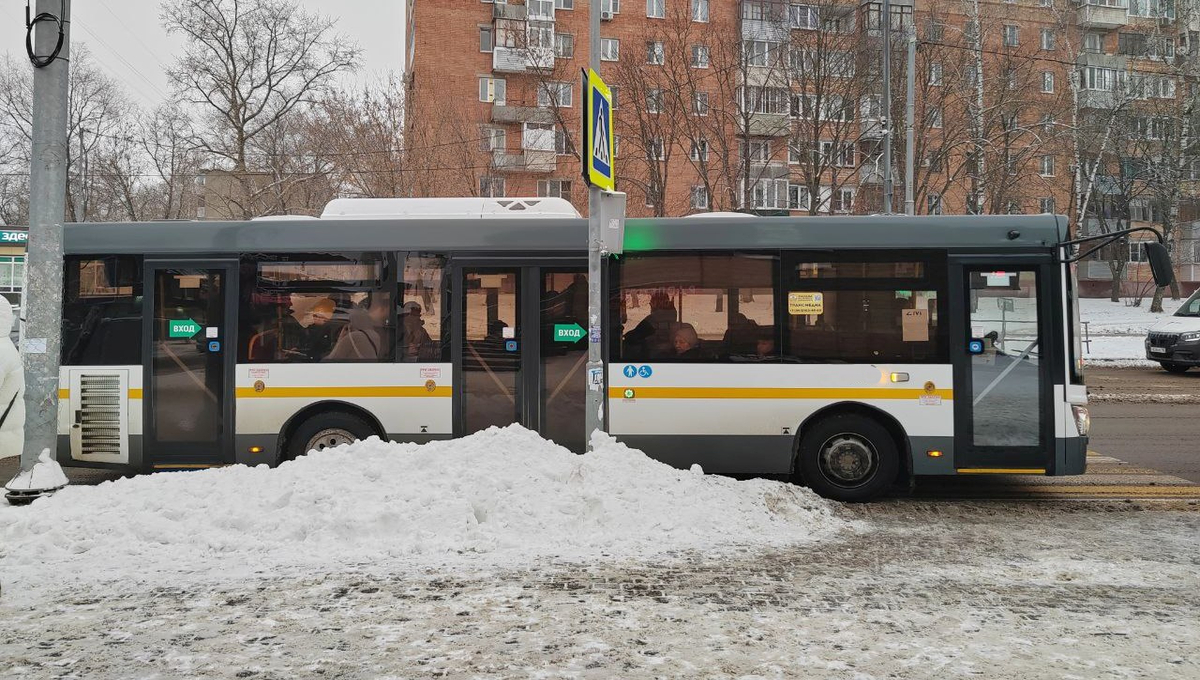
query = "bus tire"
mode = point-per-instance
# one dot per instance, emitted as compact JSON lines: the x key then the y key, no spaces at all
{"x":848,"y":457}
{"x":327,"y":430}
{"x":1171,"y":367}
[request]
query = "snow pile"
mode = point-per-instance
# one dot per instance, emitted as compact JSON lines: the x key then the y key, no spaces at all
{"x":499,"y":497}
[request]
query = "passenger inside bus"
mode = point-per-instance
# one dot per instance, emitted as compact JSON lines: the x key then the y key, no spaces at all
{"x":415,"y":343}
{"x":654,"y":337}
{"x":363,"y":338}
{"x":687,"y":344}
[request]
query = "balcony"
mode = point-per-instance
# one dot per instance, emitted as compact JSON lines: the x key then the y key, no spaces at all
{"x":529,"y":160}
{"x":502,"y":113}
{"x":1099,"y":99}
{"x":507,"y":11}
{"x":508,"y":59}
{"x":769,"y":125}
{"x":1103,"y":15}
{"x":774,"y":31}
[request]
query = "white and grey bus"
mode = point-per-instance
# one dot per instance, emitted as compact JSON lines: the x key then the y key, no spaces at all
{"x":854,"y":353}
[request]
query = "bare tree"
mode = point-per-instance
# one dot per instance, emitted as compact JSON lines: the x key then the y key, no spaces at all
{"x":249,"y":65}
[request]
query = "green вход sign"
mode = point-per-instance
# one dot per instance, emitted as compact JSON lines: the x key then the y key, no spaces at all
{"x":183,"y":328}
{"x":568,"y":332}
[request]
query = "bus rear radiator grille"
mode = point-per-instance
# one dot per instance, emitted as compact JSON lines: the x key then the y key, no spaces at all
{"x":101,"y":412}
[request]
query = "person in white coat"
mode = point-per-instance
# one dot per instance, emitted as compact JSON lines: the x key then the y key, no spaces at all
{"x":12,"y":388}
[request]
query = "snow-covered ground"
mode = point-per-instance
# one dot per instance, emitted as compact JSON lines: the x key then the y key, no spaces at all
{"x":1118,"y":330}
{"x":502,"y":555}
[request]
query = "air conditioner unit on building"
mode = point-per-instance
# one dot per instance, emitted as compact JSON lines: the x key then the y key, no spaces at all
{"x":606,"y":15}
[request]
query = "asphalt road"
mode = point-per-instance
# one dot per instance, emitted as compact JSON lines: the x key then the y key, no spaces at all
{"x":1147,"y":417}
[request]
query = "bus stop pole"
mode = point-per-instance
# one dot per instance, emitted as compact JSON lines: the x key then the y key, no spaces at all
{"x":594,"y":411}
{"x":42,"y":304}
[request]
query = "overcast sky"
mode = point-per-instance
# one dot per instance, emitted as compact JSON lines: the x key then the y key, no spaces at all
{"x":126,"y":39}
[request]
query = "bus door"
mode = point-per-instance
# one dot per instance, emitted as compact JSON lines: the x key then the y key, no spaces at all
{"x":188,"y":363}
{"x":1002,"y":348}
{"x":520,"y":348}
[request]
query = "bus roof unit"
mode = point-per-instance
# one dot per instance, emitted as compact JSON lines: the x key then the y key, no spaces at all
{"x":447,"y":208}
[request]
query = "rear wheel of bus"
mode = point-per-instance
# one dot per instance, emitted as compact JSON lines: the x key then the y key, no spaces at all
{"x":326,"y":431}
{"x":848,"y":457}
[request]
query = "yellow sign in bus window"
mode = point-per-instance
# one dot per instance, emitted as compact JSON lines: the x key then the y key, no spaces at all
{"x":805,"y":303}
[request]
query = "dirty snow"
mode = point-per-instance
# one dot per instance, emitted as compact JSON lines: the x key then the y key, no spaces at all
{"x":502,"y":496}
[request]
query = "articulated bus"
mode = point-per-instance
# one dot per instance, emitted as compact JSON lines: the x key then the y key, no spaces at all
{"x":853,"y":353}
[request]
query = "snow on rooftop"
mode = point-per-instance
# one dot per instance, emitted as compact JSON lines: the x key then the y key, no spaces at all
{"x":448,"y":208}
{"x":498,"y":497}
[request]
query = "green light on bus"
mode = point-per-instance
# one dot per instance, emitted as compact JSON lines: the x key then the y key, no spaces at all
{"x":640,"y":235}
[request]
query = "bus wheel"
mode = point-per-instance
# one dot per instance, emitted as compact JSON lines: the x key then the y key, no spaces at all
{"x":1174,"y":368}
{"x":848,"y":458}
{"x":325,"y":431}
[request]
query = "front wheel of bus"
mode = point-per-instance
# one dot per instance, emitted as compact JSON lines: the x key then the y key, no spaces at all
{"x":326,"y":431}
{"x":848,"y":458}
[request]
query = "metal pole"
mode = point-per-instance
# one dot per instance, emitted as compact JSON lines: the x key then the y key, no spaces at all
{"x":886,"y":19}
{"x":909,"y":114}
{"x":42,"y":303}
{"x":594,"y":411}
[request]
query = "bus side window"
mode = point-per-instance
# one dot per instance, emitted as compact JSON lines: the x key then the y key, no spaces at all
{"x":102,"y":311}
{"x":422,"y":314}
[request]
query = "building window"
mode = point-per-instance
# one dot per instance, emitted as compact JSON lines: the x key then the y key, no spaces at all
{"x":485,"y":39}
{"x":655,"y":53}
{"x":699,"y":198}
{"x":655,"y":9}
{"x":1047,"y":81}
{"x":840,"y":155}
{"x":1047,"y":39}
{"x":662,"y":307}
{"x":562,"y":146}
{"x":699,"y":56}
{"x":1093,"y":42}
{"x":654,"y":101}
{"x":872,"y":308}
{"x":554,"y":188}
{"x":491,"y":187}
{"x":610,"y":6}
{"x":1155,"y":9}
{"x":537,"y":137}
{"x":1011,"y":33}
{"x":843,"y":200}
{"x":700,"y":104}
{"x":610,"y":49}
{"x":758,"y":99}
{"x":495,"y":139}
{"x":491,"y":90}
{"x":655,"y":151}
{"x":564,"y":4}
{"x":1102,"y":79}
{"x":1046,"y":205}
{"x":555,"y":94}
{"x":799,"y":197}
{"x":935,"y":118}
{"x":803,"y":17}
{"x":615,"y":89}
{"x":540,"y":9}
{"x":935,"y":73}
{"x":564,"y":45}
{"x":201,"y":212}
{"x":759,"y":52}
{"x":933,"y":204}
{"x":699,"y":152}
{"x":755,"y":10}
{"x":758,"y":151}
{"x":1046,"y":166}
{"x":700,"y":10}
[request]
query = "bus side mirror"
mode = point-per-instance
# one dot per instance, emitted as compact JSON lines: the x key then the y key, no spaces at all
{"x":1160,"y":263}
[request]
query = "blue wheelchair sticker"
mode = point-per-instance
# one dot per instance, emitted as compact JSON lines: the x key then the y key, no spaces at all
{"x":629,"y":371}
{"x":510,"y":345}
{"x":645,"y":371}
{"x":214,"y":346}
{"x":975,"y":346}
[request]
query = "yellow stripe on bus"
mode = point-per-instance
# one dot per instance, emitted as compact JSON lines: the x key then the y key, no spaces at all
{"x":134,"y":393}
{"x":343,"y":392}
{"x":774,"y":393}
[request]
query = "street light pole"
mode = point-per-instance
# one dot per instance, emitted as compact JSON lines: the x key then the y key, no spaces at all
{"x":909,"y":114}
{"x":594,"y":410}
{"x":886,"y":20}
{"x":42,"y":304}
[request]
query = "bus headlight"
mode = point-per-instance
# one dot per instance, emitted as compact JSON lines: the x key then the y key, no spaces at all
{"x":1083,"y":420}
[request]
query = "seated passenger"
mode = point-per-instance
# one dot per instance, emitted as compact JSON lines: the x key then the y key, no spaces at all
{"x":687,"y":344}
{"x":764,"y":346}
{"x":362,"y":338}
{"x":740,"y":337}
{"x":652,"y":338}
{"x":415,"y":342}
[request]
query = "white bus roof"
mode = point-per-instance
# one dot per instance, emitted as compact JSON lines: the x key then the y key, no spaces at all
{"x":448,"y":208}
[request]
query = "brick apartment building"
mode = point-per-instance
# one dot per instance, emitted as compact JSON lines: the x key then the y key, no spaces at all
{"x":775,"y":105}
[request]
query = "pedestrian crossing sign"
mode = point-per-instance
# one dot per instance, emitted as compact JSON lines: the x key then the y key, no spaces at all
{"x":598,"y":145}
